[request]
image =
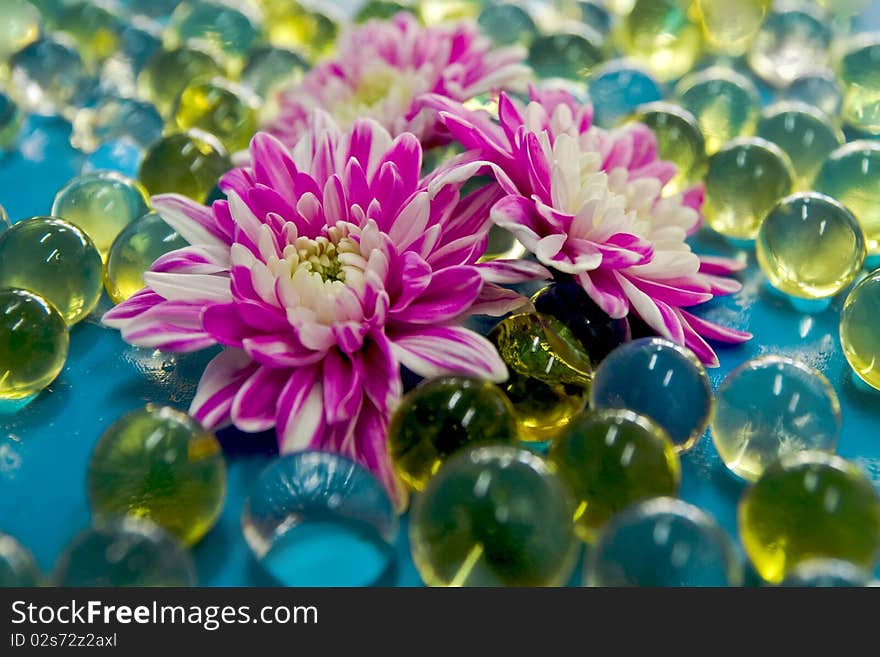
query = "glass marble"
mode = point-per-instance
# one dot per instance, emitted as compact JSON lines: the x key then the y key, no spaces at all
{"x":160,"y":464}
{"x":793,"y":40}
{"x":188,"y":163}
{"x":770,"y":408}
{"x":610,"y":459}
{"x":502,"y":243}
{"x":152,"y":8}
{"x":744,"y":181}
{"x":860,"y":77}
{"x":673,"y":390}
{"x":115,"y":117}
{"x":679,"y":140}
{"x":269,"y":68}
{"x":33,"y":343}
{"x":851,"y":174}
{"x":663,"y":542}
{"x":566,"y":54}
{"x":381,"y":9}
{"x":858,"y":330}
{"x":595,"y":13}
{"x":507,"y":23}
{"x":439,"y":11}
{"x":4,"y":219}
{"x":101,"y":204}
{"x":222,"y":108}
{"x":140,"y":39}
{"x":47,"y":76}
{"x":124,"y":552}
{"x":617,"y":88}
{"x":319,"y":519}
{"x":805,"y":134}
{"x":168,"y":72}
{"x":441,"y":416}
{"x":10,"y":122}
{"x":121,"y":155}
{"x":19,"y":28}
{"x":137,"y":247}
{"x":725,"y":104}
{"x":661,"y":35}
{"x":94,"y":26}
{"x":827,"y":573}
{"x":54,"y":259}
{"x":810,"y":246}
{"x":812,"y":505}
{"x":549,"y":372}
{"x":290,"y":24}
{"x":17,"y":565}
{"x":729,"y":27}
{"x":494,"y":516}
{"x":820,"y":90}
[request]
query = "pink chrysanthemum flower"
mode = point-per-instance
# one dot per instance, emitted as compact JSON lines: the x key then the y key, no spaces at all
{"x":381,"y":69}
{"x":323,"y":273}
{"x":588,"y":203}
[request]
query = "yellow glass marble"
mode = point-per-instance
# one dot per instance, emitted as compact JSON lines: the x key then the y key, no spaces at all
{"x":188,"y":163}
{"x":810,"y":246}
{"x":679,"y":140}
{"x":813,"y":505}
{"x":661,"y":34}
{"x":745,"y":179}
{"x":101,"y":204}
{"x":225,"y":109}
{"x":19,"y":27}
{"x":95,"y":28}
{"x":290,"y":24}
{"x":725,"y":104}
{"x":438,"y":11}
{"x":168,"y":72}
{"x":54,"y":259}
{"x":137,"y":247}
{"x":851,"y":174}
{"x":33,"y":343}
{"x":729,"y":27}
{"x":860,"y":77}
{"x":805,"y":134}
{"x":858,"y":330}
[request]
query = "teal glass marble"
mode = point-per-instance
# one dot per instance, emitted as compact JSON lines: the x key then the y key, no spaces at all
{"x":17,"y":565}
{"x":568,"y":54}
{"x":269,"y":68}
{"x":121,"y":155}
{"x":595,"y":14}
{"x":617,"y":88}
{"x":188,"y":163}
{"x":47,"y":76}
{"x":673,"y":387}
{"x":819,"y":89}
{"x":663,"y":542}
{"x":507,"y":23}
{"x":860,"y":77}
{"x":827,"y":573}
{"x":140,"y":39}
{"x":10,"y":122}
{"x":124,"y":552}
{"x":19,"y":28}
{"x":158,"y":9}
{"x":319,"y":519}
{"x":494,"y":516}
{"x":115,"y":117}
{"x":168,"y":72}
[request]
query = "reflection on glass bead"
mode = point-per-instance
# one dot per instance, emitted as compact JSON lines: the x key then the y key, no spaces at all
{"x":289,"y":24}
{"x":20,"y":26}
{"x":101,"y":204}
{"x":663,"y":542}
{"x":679,"y":140}
{"x":858,"y":330}
{"x":826,"y":573}
{"x":617,"y":88}
{"x":566,"y":54}
{"x":4,"y":219}
{"x":10,"y":122}
{"x":224,"y":109}
{"x":188,"y":163}
{"x":269,"y":67}
{"x":793,"y":40}
{"x":54,"y":259}
{"x":806,"y":135}
{"x":611,"y":459}
{"x":860,"y":78}
{"x":673,"y":387}
{"x":169,"y":71}
{"x":158,"y":463}
{"x":851,"y":175}
{"x":730,"y":26}
{"x":124,"y":552}
{"x":113,"y":118}
{"x":725,"y":104}
{"x":549,"y":372}
{"x":47,"y":75}
{"x":17,"y":566}
{"x":771,"y":408}
{"x":745,"y":180}
{"x":494,"y":516}
{"x":224,"y":29}
{"x":120,"y":155}
{"x":660,"y":34}
{"x":820,"y":90}
{"x":810,"y":246}
{"x":507,"y":23}
{"x":319,"y":519}
{"x":137,"y":247}
{"x":441,"y":416}
{"x":813,"y":505}
{"x":93,"y":26}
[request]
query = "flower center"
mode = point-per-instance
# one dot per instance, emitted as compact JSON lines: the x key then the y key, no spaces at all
{"x":319,"y":256}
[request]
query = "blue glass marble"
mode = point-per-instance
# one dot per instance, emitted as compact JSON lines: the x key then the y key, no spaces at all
{"x":318,"y":519}
{"x":17,"y":566}
{"x":10,"y":122}
{"x":48,"y":76}
{"x":115,"y":117}
{"x":120,"y":155}
{"x":663,"y":542}
{"x":659,"y":379}
{"x":618,"y":88}
{"x":827,"y":573}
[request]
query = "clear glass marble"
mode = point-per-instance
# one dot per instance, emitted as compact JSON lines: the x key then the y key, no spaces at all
{"x":47,"y":76}
{"x":819,"y":89}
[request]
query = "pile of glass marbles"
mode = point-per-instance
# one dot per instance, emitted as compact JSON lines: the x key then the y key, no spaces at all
{"x":774,"y":108}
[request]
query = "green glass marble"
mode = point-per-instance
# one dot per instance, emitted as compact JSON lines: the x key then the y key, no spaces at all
{"x":19,"y":28}
{"x":54,"y":259}
{"x":810,"y":246}
{"x":611,"y":459}
{"x":507,"y":23}
{"x":441,"y":416}
{"x":116,"y":117}
{"x":725,"y":104}
{"x":858,"y":330}
{"x":661,"y":35}
{"x":168,"y":72}
{"x":550,"y":372}
{"x":851,"y":174}
{"x":269,"y":68}
{"x":17,"y":565}
{"x":494,"y":516}
{"x":744,"y":181}
{"x":47,"y":76}
{"x":94,"y":26}
{"x":819,"y":89}
{"x":805,"y":134}
{"x":679,"y":140}
{"x":188,"y":163}
{"x":566,"y":54}
{"x":381,"y":9}
{"x":101,"y":204}
{"x":33,"y":344}
{"x":860,"y":77}
{"x":291,"y":24}
{"x":158,"y":463}
{"x":813,"y":505}
{"x":10,"y":122}
{"x":222,"y":108}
